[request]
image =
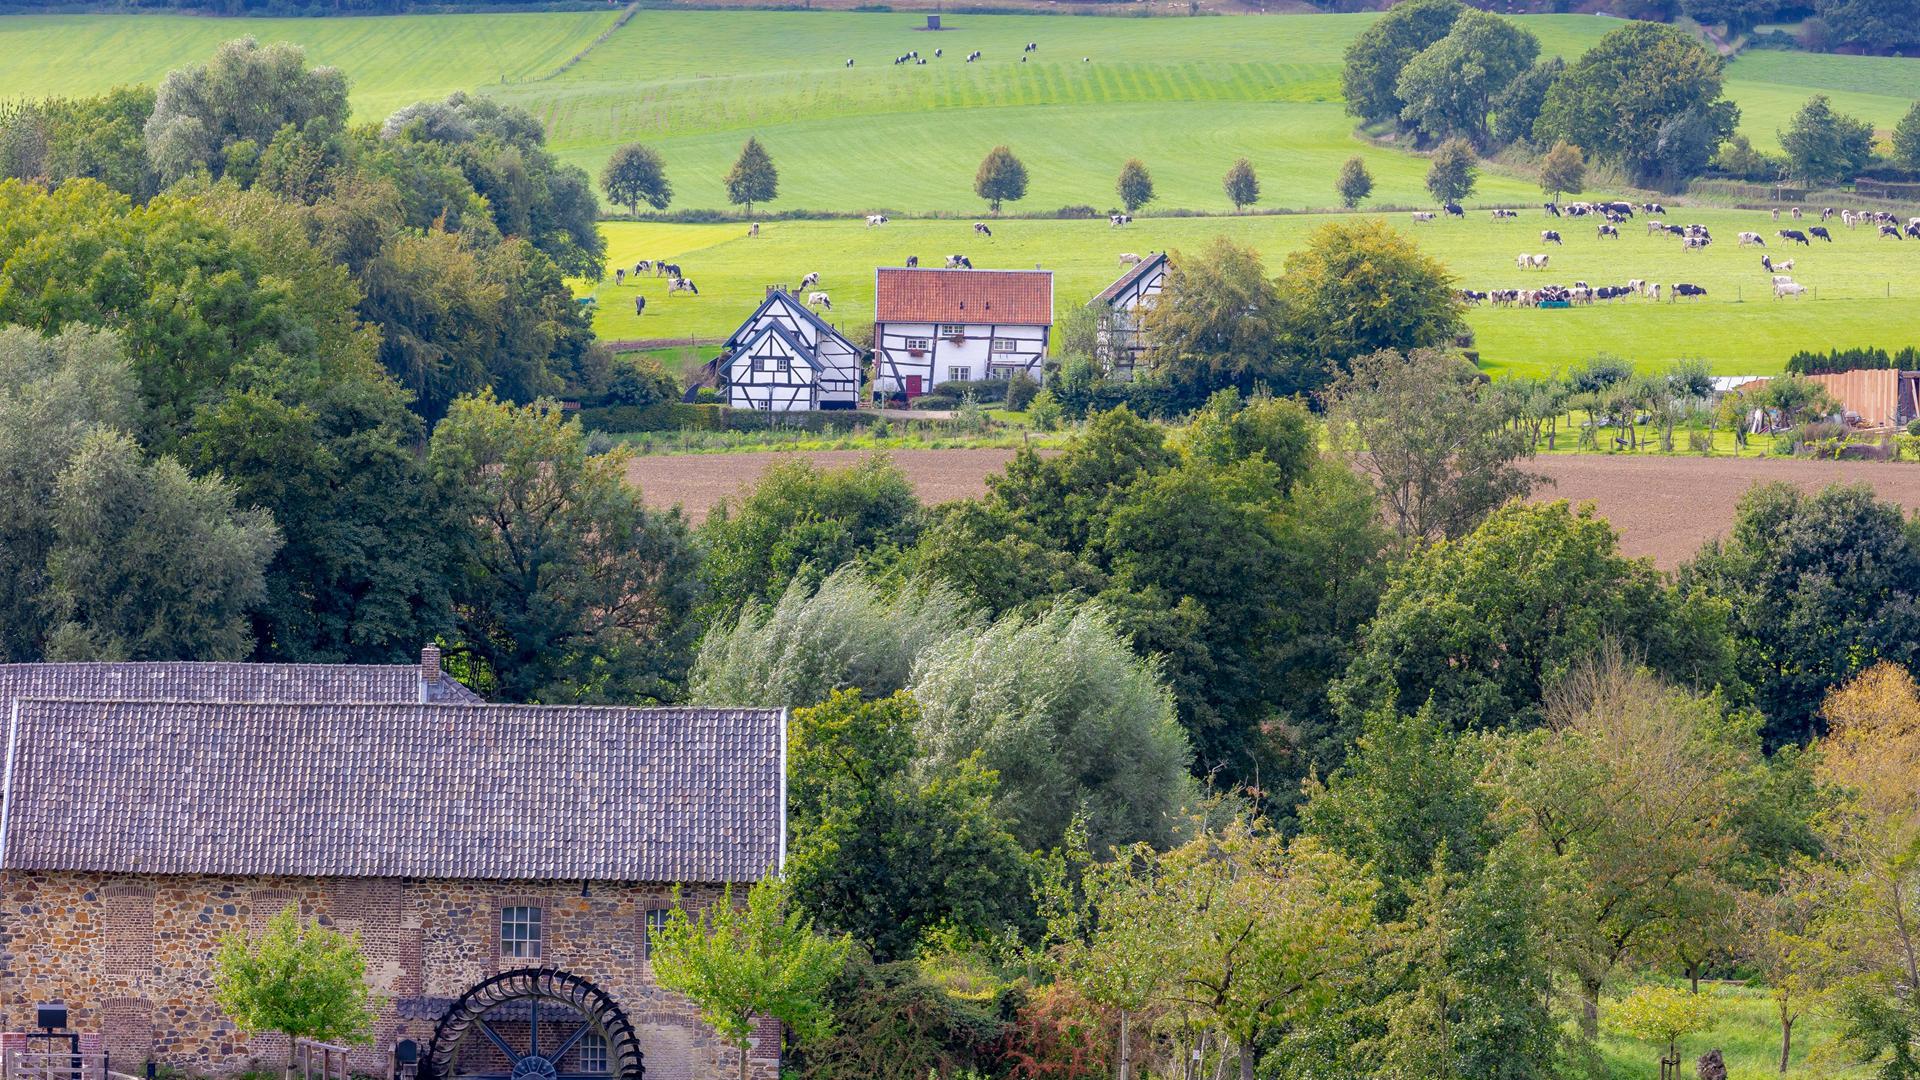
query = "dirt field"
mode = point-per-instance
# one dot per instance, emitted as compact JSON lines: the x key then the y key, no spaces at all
{"x":1663,"y":507}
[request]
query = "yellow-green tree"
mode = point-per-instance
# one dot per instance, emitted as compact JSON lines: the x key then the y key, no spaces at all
{"x":298,"y":978}
{"x":1661,"y":1014}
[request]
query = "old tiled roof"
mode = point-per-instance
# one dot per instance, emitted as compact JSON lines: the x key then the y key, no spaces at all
{"x":1124,"y":281}
{"x":432,"y":791}
{"x":1007,"y":297}
{"x":183,"y":681}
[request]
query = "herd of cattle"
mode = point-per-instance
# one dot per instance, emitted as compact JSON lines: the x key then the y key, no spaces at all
{"x":914,"y":59}
{"x":1692,"y":238}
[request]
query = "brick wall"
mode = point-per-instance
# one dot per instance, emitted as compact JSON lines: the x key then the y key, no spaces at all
{"x":132,"y":956}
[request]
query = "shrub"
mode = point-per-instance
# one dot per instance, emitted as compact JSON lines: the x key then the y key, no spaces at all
{"x":935,"y":401}
{"x":1078,"y":210}
{"x":634,"y":379}
{"x":1020,"y":392}
{"x":659,"y":416}
{"x":892,"y":1021}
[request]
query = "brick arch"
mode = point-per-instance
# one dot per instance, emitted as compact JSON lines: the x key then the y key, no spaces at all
{"x":596,"y":1009}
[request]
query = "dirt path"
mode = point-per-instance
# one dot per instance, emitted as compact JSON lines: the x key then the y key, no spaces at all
{"x":1663,"y":507}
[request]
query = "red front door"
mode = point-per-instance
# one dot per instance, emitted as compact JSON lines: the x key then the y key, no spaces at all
{"x":913,"y":386}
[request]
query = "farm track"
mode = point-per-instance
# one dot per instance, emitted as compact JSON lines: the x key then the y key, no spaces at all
{"x":1663,"y":507}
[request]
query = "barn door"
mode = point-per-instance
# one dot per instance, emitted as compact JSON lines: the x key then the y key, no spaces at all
{"x":913,"y":386}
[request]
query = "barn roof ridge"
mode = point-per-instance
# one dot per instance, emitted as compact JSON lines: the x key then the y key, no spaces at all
{"x":934,"y":295}
{"x":800,"y":348}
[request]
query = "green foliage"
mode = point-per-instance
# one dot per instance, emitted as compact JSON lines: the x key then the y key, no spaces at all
{"x":1821,"y":586}
{"x":1375,"y":59}
{"x":1825,"y":147}
{"x":1001,"y":178}
{"x":299,"y":978}
{"x":1241,"y":184}
{"x":1454,"y":171}
{"x":1880,"y":1026}
{"x":570,"y":588}
{"x":211,"y":116}
{"x":639,"y":381}
{"x":736,"y":963}
{"x":1563,"y":170}
{"x":802,"y":523}
{"x":1647,"y":98}
{"x":891,"y":1020}
{"x":149,"y":563}
{"x":1735,"y":15}
{"x":1906,"y":138}
{"x":635,"y":174}
{"x":753,"y":178}
{"x":843,"y":635}
{"x":1482,"y":626}
{"x":1357,"y":288}
{"x":1660,"y":1014}
{"x":1216,"y":323}
{"x":1135,"y":186}
{"x":1737,"y":158}
{"x":1517,"y":108}
{"x":1439,"y":477}
{"x":886,"y":851}
{"x":1833,"y":361}
{"x":1876,"y":25}
{"x":1072,"y":722}
{"x":1449,"y":87}
{"x":1354,"y":183}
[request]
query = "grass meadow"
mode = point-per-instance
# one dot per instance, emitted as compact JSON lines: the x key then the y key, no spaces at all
{"x":1866,"y":290}
{"x":1746,"y":1031}
{"x":1186,"y":95}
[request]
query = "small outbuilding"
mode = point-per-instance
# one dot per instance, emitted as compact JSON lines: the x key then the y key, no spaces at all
{"x":1120,"y":340}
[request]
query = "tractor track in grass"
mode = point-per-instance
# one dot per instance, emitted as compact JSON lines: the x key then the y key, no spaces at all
{"x":1662,"y":507}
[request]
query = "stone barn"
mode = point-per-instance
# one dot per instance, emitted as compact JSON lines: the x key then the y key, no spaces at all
{"x":502,"y":865}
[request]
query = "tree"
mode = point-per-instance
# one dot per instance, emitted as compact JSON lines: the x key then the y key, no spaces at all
{"x":1661,"y":1014}
{"x":570,"y":588}
{"x":1242,"y":186}
{"x":1375,"y":59}
{"x":1072,"y":722}
{"x":1449,"y":87}
{"x":814,"y":641}
{"x":1135,"y":186}
{"x":1736,"y":15}
{"x":1002,"y":178}
{"x":1906,"y":138}
{"x":1880,"y":26}
{"x":149,"y":563}
{"x":1646,"y":97}
{"x":226,"y":111}
{"x":886,"y":851}
{"x":753,"y":178}
{"x":1215,"y":323}
{"x":739,"y":963}
{"x":1624,"y":803}
{"x":1481,"y":627}
{"x":801,"y":523}
{"x":1517,"y":108}
{"x":1826,"y":147}
{"x":1357,"y":288}
{"x":1441,"y":476}
{"x":299,"y":978}
{"x":635,"y":174}
{"x":1563,"y":171}
{"x":1453,"y":171}
{"x":1821,"y":587}
{"x":1355,"y":183}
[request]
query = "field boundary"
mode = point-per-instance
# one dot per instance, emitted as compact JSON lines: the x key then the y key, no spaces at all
{"x":626,"y":17}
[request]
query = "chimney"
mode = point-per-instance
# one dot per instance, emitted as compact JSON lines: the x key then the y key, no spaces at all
{"x":430,"y":665}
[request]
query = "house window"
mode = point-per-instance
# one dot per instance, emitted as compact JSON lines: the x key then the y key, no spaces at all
{"x":1004,"y":371}
{"x":656,"y":921}
{"x":520,"y":933}
{"x":593,"y":1053}
{"x":763,"y":363}
{"x":918,"y":344}
{"x":959,"y":373}
{"x":1005,"y":345}
{"x":953,"y":331}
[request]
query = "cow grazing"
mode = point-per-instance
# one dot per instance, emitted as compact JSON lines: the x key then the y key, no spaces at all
{"x":981,"y":228}
{"x":938,"y":53}
{"x":1776,"y":213}
{"x":1914,"y":231}
{"x":1747,"y":238}
{"x":1117,"y":220}
{"x":671,"y":270}
{"x":1787,"y":265}
{"x":1890,"y":230}
{"x":876,"y":219}
{"x":1653,"y":291}
{"x":1551,"y":236}
{"x":849,"y":61}
{"x":1794,"y":235}
{"x":620,"y":275}
{"x":1782,"y":279}
{"x":1788,"y":288}
{"x":1538,"y":262}
{"x":1454,"y":210}
{"x":1796,"y":213}
{"x":1129,"y":259}
{"x":642,"y":267}
{"x":1652,"y":208}
{"x":1766,"y":263}
{"x":819,"y":299}
{"x":1681,"y":289}
{"x":1423,"y":215}
{"x":1552,"y":210}
{"x":958,"y":262}
{"x":680,"y":284}
{"x":1502,"y":215}
{"x":639,"y":305}
{"x":1821,"y":232}
{"x":1609,"y":230}
{"x":810,"y":280}
{"x":1695,"y":243}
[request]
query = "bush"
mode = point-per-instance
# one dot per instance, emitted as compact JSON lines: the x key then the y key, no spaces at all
{"x":994,"y":390}
{"x":660,"y":416}
{"x":1855,"y":359}
{"x":1078,"y":210}
{"x":1020,"y":392}
{"x":708,"y":395}
{"x":634,"y":379}
{"x":891,"y":1021}
{"x":934,"y":401}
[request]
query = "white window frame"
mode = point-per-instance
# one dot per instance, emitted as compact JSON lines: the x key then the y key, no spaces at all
{"x":953,"y":330}
{"x":521,"y":932}
{"x":1002,"y":344}
{"x":763,"y":363}
{"x":960,"y":373}
{"x":919,"y":344}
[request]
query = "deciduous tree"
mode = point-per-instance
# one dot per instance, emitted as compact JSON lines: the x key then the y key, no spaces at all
{"x":227,"y":110}
{"x":1661,"y":1015}
{"x":635,"y":174}
{"x":1376,"y":58}
{"x":1135,"y":186}
{"x":1906,"y":138}
{"x":1647,"y":97}
{"x":1453,"y":172}
{"x":1449,"y":87}
{"x":299,"y":978}
{"x":1826,"y":147}
{"x":1563,"y":171}
{"x":753,"y":178}
{"x":1001,"y":178}
{"x":1242,"y":186}
{"x":1357,"y":288}
{"x":1354,"y":183}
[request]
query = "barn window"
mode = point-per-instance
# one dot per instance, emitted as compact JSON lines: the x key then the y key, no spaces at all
{"x":656,"y":921}
{"x":960,"y":373}
{"x":763,"y":363}
{"x":593,"y":1053}
{"x":520,"y":932}
{"x":1005,"y":345}
{"x":919,"y":344}
{"x":953,"y":331}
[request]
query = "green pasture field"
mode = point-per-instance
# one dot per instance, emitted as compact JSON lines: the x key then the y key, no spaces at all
{"x":1186,"y":95}
{"x":1746,"y":1031}
{"x":1866,"y":290}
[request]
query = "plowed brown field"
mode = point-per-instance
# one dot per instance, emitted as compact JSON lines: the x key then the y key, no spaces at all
{"x":1664,"y":507}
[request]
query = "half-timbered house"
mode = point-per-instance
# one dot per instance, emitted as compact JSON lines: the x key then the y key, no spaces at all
{"x":785,"y":358}
{"x":937,"y":326}
{"x":1120,"y":339}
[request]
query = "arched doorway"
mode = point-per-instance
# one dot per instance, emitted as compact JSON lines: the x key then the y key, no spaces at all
{"x":510,"y":1010}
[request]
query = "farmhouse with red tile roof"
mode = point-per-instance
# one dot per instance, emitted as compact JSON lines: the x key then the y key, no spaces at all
{"x":937,"y":326}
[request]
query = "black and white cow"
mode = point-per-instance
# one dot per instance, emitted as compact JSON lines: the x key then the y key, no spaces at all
{"x":981,"y":228}
{"x":639,"y":305}
{"x":959,"y":262}
{"x":1794,"y":235}
{"x":1454,"y":210}
{"x":680,"y":284}
{"x":1821,"y":232}
{"x":1551,"y":236}
{"x":1681,"y":289}
{"x":810,"y":280}
{"x":1609,"y":230}
{"x":913,"y":261}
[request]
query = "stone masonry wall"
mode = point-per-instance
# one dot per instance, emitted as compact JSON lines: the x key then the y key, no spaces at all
{"x":132,"y":956}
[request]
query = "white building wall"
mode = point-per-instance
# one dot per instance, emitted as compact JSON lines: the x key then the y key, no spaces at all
{"x":945,"y":359}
